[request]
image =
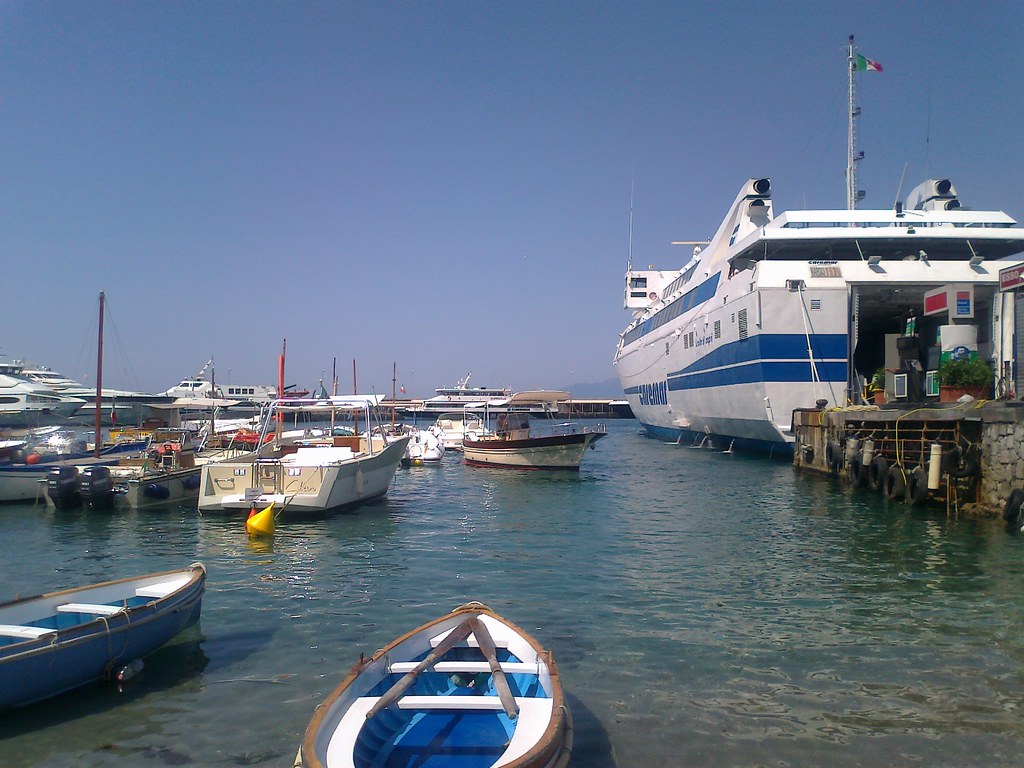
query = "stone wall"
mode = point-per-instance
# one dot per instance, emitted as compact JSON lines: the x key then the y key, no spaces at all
{"x":1002,"y":451}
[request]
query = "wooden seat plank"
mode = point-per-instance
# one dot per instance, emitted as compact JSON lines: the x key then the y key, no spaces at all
{"x":100,"y":610}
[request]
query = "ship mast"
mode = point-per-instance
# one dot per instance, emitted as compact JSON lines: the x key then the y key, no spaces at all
{"x":851,"y":156}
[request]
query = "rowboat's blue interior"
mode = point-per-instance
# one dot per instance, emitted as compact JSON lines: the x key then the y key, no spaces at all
{"x":408,"y":738}
{"x":63,"y":620}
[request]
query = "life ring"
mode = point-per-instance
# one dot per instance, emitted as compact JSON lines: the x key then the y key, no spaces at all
{"x":1014,"y":506}
{"x":858,"y":472}
{"x":959,"y":462}
{"x":896,"y":483}
{"x":877,"y":472}
{"x":833,"y":456}
{"x":917,"y":486}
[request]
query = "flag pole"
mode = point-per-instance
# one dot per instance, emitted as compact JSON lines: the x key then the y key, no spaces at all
{"x":851,"y":160}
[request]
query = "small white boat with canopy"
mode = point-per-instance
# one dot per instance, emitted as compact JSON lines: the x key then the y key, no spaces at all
{"x":307,"y":475}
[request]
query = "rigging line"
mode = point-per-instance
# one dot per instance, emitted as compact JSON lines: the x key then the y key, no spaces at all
{"x":815,"y":377}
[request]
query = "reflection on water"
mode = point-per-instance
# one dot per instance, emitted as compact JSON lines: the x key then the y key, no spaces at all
{"x":704,"y":609}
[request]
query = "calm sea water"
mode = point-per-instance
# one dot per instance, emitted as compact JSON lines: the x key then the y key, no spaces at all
{"x":705,"y":610}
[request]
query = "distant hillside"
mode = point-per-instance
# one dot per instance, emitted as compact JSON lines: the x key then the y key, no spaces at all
{"x":609,"y":389}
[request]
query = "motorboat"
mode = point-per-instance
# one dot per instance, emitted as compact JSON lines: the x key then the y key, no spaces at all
{"x":63,"y":640}
{"x":453,"y":426}
{"x":25,"y":403}
{"x":28,"y":478}
{"x":306,"y":475}
{"x":469,"y":688}
{"x":425,"y":447}
{"x":796,"y":310}
{"x":168,"y":470}
{"x":521,"y":441}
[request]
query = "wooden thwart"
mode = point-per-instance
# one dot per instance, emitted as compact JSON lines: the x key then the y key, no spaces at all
{"x":458,"y":634}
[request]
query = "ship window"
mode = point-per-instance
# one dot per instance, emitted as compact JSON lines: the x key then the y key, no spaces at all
{"x":6,"y":399}
{"x":638,"y":282}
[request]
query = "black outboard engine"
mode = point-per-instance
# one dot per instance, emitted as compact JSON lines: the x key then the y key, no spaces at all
{"x":62,"y":487}
{"x":97,"y":487}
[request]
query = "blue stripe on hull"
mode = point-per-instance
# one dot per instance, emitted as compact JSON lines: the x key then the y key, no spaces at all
{"x":760,"y":372}
{"x":765,"y":347}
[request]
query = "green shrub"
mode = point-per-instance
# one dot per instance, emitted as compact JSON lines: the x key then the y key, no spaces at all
{"x":967,"y":372}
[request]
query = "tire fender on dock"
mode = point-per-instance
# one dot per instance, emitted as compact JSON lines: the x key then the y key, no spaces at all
{"x":833,"y":456}
{"x":896,"y":483}
{"x":960,"y":462}
{"x":858,"y":472}
{"x":877,"y":473}
{"x":1014,"y":506}
{"x":917,"y":486}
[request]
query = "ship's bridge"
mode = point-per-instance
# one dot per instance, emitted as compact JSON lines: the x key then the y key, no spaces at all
{"x":887,"y":235}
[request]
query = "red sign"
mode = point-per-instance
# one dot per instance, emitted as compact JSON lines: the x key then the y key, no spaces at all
{"x":1011,"y":277}
{"x":936,"y":301}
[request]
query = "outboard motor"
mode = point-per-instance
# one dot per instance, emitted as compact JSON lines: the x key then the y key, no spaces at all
{"x":62,"y":487}
{"x":97,"y":487}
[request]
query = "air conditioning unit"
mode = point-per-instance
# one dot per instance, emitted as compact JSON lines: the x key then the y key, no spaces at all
{"x":900,"y":386}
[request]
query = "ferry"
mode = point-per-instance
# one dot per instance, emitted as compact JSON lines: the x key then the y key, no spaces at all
{"x":789,"y":311}
{"x":448,"y":399}
{"x":779,"y":312}
{"x":252,"y":395}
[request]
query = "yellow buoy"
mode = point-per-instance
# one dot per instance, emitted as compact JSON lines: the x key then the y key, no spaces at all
{"x":261,"y":523}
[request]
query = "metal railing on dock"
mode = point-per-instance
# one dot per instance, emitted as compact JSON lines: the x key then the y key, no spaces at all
{"x":964,"y":455}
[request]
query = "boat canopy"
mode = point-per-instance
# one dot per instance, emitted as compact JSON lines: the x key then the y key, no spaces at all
{"x":337,"y":403}
{"x":536,"y":396}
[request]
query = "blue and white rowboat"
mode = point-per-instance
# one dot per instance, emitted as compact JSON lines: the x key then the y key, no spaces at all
{"x":53,"y":643}
{"x":469,"y":689}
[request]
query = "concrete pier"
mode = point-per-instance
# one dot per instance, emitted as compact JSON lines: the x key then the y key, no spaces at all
{"x":967,"y":457}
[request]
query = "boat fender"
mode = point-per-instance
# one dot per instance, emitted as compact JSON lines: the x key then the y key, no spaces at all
{"x":896,"y":483}
{"x":129,"y":671}
{"x":1014,"y":506}
{"x":876,"y":473}
{"x":917,"y":486}
{"x":833,"y":456}
{"x":191,"y":482}
{"x":959,"y":462}
{"x":157,"y":491}
{"x":858,"y":472}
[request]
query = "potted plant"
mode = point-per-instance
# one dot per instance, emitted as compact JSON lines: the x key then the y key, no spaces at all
{"x":876,"y":387}
{"x":964,"y":376}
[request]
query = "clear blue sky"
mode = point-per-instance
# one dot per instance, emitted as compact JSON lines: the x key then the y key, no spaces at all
{"x":445,"y":185}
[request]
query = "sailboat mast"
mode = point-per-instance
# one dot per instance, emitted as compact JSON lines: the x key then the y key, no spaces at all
{"x":99,"y":378}
{"x":851,"y":159}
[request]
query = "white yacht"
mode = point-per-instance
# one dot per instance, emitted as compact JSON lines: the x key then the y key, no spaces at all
{"x":25,"y":403}
{"x":198,"y":387}
{"x":453,"y":398}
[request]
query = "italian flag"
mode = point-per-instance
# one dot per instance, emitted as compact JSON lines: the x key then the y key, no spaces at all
{"x":864,"y":64}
